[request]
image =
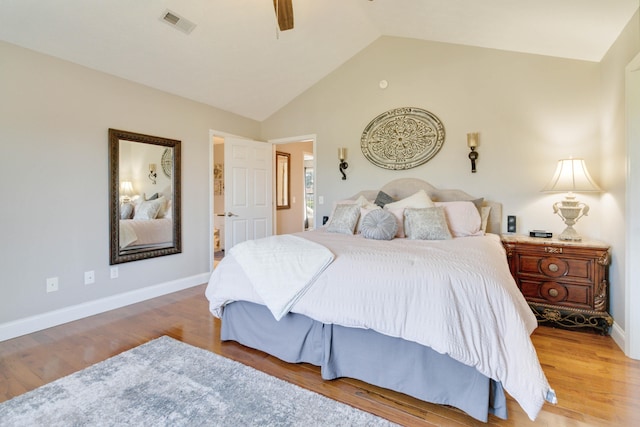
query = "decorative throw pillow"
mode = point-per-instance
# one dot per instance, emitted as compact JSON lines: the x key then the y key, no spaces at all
{"x":379,"y":225}
{"x":363,"y":213}
{"x":126,"y":211}
{"x":162,"y":201}
{"x":416,"y":200}
{"x":426,"y":224}
{"x":463,"y":218}
{"x":484,"y":217}
{"x":383,"y":198}
{"x":344,"y":218}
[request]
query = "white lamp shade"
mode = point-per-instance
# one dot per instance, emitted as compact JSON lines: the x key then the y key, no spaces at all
{"x":571,"y":176}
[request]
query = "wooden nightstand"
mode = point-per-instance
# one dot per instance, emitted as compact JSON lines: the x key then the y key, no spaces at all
{"x":565,"y":283}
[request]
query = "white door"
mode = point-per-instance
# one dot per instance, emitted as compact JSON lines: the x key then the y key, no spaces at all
{"x":248,"y":195}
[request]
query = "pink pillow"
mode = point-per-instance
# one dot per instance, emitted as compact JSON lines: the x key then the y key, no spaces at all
{"x":399,"y":214}
{"x":463,"y":218}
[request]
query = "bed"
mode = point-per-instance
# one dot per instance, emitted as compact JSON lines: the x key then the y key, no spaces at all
{"x":440,"y":319}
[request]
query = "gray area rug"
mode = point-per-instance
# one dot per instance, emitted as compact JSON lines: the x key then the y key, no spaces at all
{"x":168,"y":383}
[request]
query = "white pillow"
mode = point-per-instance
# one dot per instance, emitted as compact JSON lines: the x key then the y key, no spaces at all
{"x":399,"y":215}
{"x":463,"y":218}
{"x":417,"y":200}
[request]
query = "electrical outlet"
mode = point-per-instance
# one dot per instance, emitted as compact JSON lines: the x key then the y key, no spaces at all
{"x":52,"y":284}
{"x":114,"y":272}
{"x":89,"y":277}
{"x":321,"y":200}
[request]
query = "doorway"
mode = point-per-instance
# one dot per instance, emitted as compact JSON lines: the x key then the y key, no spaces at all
{"x":218,"y":186}
{"x":299,"y":214}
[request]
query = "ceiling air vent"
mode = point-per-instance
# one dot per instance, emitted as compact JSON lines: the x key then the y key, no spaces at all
{"x":177,"y":21}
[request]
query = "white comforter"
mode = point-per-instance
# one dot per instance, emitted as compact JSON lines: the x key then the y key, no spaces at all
{"x":457,"y":297}
{"x":281,"y":268}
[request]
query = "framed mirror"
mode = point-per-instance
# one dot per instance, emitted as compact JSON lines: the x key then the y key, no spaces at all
{"x":144,"y":196}
{"x":283,"y":186}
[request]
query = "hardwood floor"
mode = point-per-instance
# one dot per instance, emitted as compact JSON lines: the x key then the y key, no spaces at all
{"x":595,"y":383}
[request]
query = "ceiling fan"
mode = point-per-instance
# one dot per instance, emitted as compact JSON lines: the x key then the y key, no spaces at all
{"x":284,"y":14}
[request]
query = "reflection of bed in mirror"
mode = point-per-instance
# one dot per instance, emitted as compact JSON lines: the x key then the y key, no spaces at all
{"x":146,"y":223}
{"x":440,"y":320}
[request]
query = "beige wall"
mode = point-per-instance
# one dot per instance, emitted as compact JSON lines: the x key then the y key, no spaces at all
{"x":530,"y":111}
{"x":292,"y":220}
{"x":613,"y":158}
{"x":54,"y":117}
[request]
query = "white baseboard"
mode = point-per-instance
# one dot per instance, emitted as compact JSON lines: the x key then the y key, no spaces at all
{"x":618,"y":335}
{"x":39,"y":322}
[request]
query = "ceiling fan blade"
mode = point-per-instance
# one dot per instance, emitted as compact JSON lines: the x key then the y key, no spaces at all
{"x":284,"y":13}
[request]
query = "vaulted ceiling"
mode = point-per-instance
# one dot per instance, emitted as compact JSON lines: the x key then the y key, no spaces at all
{"x":236,"y":59}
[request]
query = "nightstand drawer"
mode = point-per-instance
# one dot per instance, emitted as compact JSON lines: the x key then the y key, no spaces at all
{"x":551,"y":292}
{"x":552,"y":267}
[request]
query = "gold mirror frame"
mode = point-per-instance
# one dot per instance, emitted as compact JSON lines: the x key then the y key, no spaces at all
{"x":118,"y":256}
{"x":283,"y":182}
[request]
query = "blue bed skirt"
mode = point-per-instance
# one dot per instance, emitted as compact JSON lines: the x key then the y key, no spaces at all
{"x":366,"y":355}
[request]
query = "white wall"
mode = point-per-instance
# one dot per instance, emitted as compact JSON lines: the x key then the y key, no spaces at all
{"x":54,"y":119}
{"x":614,"y":162}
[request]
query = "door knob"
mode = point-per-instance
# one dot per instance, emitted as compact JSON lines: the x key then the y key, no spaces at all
{"x":230,"y":214}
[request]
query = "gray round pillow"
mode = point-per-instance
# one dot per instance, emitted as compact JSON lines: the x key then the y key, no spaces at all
{"x":379,"y":224}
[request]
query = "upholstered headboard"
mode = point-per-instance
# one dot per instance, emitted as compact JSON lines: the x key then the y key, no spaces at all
{"x":405,"y":187}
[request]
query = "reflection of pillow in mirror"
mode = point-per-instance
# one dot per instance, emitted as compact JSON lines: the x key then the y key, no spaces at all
{"x":168,"y":213}
{"x":126,"y":211}
{"x":147,"y":210}
{"x":163,"y":206}
{"x":426,"y":224}
{"x":379,"y":225}
{"x":344,"y":219}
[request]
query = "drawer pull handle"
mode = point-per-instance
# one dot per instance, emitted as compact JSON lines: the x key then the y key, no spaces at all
{"x":554,"y":268}
{"x":553,"y":292}
{"x":552,"y":250}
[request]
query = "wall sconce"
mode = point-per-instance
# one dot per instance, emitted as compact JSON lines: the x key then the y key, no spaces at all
{"x":571,"y":175}
{"x":472,"y":142}
{"x":126,"y":191}
{"x":342,"y":154}
{"x":152,"y":172}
